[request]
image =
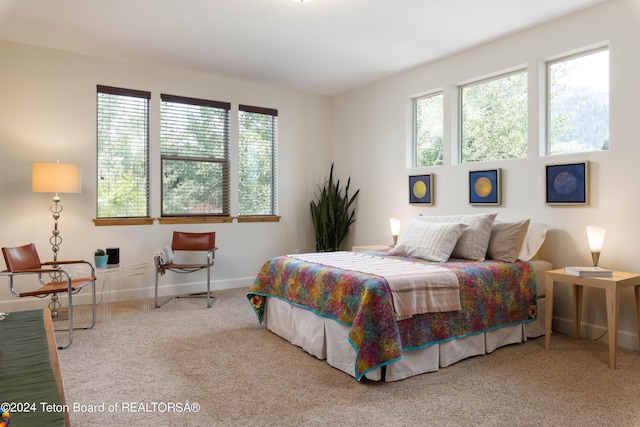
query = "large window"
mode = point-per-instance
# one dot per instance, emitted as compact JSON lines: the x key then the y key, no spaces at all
{"x":429,"y":130}
{"x":123,"y":153}
{"x":257,"y":161}
{"x":194,"y":151}
{"x":493,"y":119}
{"x":578,"y":103}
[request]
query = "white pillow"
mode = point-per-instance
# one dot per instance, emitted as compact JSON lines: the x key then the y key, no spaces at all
{"x":532,"y":241}
{"x":506,"y":240}
{"x":429,"y":241}
{"x":475,"y":239}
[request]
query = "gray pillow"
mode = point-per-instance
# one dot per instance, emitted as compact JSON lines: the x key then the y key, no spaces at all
{"x":506,"y":240}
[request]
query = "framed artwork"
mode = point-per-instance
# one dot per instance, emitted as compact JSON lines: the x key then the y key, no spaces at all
{"x":484,"y":187}
{"x":567,"y":184}
{"x":421,"y":189}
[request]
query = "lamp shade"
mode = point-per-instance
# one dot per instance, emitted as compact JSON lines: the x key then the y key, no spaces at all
{"x":596,"y":238}
{"x":56,"y":178}
{"x":395,"y":226}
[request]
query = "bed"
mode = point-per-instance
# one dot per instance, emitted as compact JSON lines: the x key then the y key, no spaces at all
{"x":445,"y":292}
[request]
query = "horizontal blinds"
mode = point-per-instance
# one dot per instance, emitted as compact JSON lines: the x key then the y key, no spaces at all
{"x":123,"y":152}
{"x":257,"y":160}
{"x":194,"y":146}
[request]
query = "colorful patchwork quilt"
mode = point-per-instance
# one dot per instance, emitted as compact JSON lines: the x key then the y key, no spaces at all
{"x":493,"y":294}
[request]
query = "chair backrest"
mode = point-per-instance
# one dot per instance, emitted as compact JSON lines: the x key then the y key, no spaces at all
{"x":21,"y":258}
{"x":193,"y":241}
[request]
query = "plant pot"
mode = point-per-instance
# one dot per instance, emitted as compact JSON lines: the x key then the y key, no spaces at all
{"x":101,"y":260}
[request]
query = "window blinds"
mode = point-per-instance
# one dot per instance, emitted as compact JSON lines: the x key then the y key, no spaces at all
{"x":257,"y":160}
{"x":194,"y":146}
{"x":123,"y":152}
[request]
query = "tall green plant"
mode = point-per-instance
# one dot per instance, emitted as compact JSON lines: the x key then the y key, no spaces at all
{"x":332,"y":214}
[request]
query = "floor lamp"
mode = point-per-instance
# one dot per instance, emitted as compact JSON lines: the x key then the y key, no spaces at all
{"x":56,"y":178}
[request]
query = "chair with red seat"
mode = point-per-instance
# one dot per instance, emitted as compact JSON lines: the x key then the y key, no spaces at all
{"x":24,"y":260}
{"x":190,"y":242}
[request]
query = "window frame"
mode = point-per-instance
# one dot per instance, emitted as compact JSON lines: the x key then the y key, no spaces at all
{"x":547,"y":96}
{"x":273,"y":113}
{"x":124,"y":220}
{"x":460,"y":110}
{"x":415,"y":128}
{"x":225,"y":160}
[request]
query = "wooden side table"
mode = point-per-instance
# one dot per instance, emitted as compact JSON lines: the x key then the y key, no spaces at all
{"x":612,"y":287}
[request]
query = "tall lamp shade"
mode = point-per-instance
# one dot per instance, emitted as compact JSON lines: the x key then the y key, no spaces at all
{"x":56,"y":178}
{"x":395,"y":229}
{"x":595,"y":235}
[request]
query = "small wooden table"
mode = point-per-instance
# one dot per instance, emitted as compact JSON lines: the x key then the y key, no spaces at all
{"x":612,"y":286}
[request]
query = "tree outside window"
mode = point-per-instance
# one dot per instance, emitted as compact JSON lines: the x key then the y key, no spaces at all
{"x":578,"y":103}
{"x":194,"y":152}
{"x":257,"y":161}
{"x":429,"y":130}
{"x":123,"y":153}
{"x":493,"y":119}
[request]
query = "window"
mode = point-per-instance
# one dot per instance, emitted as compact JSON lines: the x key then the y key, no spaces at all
{"x":194,"y":153}
{"x":257,"y":161}
{"x":429,"y":130}
{"x":578,"y":103}
{"x":493,"y":119}
{"x":123,"y":153}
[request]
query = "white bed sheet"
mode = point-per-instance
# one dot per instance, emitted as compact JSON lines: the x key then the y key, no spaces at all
{"x":325,"y":338}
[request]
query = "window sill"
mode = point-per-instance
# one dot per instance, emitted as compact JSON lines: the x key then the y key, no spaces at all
{"x":194,"y":219}
{"x":122,"y":221}
{"x":259,"y":218}
{"x":185,"y":220}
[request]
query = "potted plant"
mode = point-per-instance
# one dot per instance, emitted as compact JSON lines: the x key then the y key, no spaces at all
{"x":332,"y":214}
{"x":100,"y":258}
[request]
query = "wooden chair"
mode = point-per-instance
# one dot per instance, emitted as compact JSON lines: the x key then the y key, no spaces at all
{"x":191,"y":242}
{"x":24,"y":260}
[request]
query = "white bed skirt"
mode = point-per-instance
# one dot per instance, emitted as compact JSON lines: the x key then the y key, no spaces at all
{"x":325,"y":338}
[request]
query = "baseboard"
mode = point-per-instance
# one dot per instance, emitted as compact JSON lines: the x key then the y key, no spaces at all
{"x":126,"y":294}
{"x":590,"y":331}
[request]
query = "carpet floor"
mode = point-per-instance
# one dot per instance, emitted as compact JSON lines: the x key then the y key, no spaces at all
{"x":187,"y":365}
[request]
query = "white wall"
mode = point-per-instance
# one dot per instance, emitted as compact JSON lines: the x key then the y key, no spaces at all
{"x":48,"y":113}
{"x":372,"y":136}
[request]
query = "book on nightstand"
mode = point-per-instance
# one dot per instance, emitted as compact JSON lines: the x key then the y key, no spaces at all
{"x":588,"y":271}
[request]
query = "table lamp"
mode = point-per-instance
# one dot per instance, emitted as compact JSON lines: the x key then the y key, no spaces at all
{"x":395,"y":229}
{"x":596,"y":239}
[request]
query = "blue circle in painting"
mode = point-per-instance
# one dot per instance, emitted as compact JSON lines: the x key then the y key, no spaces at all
{"x":565,"y":183}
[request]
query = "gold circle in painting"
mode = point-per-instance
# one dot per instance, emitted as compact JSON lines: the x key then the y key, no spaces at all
{"x":483,"y":187}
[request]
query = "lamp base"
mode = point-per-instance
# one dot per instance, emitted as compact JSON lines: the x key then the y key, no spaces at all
{"x":595,"y":256}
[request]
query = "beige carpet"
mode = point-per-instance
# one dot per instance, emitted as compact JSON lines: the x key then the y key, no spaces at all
{"x":239,"y":374}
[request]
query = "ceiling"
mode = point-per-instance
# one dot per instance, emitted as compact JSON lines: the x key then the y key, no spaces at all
{"x":319,"y":46}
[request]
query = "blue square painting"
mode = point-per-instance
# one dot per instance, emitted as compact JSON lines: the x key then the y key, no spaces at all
{"x":421,"y":189}
{"x":484,"y":187}
{"x":567,"y":184}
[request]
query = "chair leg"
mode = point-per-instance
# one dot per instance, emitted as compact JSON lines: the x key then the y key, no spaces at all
{"x":211,"y":299}
{"x":70,"y":314}
{"x":158,"y":305}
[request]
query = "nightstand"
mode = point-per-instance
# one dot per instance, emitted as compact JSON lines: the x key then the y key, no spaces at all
{"x":612,"y":287}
